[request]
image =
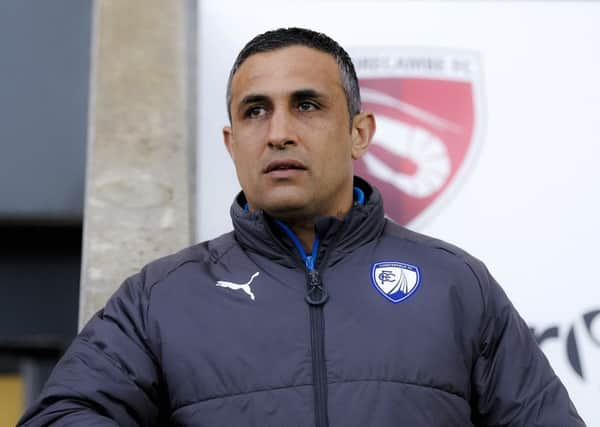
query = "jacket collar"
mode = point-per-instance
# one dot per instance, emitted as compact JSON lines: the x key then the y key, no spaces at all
{"x":256,"y":232}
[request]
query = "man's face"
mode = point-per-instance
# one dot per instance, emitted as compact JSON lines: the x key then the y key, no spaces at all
{"x":290,"y":136}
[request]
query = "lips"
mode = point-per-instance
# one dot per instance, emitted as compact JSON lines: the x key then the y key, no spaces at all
{"x":283,"y":165}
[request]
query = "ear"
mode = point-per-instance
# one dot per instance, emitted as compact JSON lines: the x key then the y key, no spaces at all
{"x":228,"y":140}
{"x":363,"y":129}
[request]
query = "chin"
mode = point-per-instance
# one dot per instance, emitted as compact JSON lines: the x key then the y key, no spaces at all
{"x":285,"y":207}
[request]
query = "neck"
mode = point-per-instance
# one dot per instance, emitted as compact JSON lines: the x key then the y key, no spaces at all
{"x":305,"y":231}
{"x":303,"y":224}
{"x":304,"y":227}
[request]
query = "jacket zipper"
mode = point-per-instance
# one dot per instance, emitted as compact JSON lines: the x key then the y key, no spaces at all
{"x":316,"y":297}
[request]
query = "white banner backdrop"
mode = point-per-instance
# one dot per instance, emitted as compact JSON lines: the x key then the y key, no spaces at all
{"x":520,"y":186}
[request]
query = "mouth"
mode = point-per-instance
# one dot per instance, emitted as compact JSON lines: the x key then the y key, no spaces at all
{"x":283,"y":165}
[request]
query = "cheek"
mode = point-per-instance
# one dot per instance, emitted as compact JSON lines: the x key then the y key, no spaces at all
{"x":243,"y":163}
{"x":338,"y":147}
{"x":248,"y":142}
{"x":246,"y":161}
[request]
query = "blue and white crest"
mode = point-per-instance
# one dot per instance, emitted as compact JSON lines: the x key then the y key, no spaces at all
{"x":395,"y":280}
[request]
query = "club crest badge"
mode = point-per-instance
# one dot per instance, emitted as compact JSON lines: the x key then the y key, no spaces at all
{"x":396,"y":281}
{"x":428,"y":108}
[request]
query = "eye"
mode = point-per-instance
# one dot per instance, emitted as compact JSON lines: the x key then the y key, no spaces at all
{"x":255,"y":112}
{"x":306,"y":106}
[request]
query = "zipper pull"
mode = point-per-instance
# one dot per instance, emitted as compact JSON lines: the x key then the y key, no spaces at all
{"x":316,"y":294}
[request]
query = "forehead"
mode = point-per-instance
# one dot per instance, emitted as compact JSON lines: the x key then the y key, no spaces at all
{"x":285,"y":70}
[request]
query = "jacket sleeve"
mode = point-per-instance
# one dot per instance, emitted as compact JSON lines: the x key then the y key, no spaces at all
{"x":513,"y":382}
{"x":108,"y":376}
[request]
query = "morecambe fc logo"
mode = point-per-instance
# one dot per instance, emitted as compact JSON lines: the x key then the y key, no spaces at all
{"x":427,"y":105}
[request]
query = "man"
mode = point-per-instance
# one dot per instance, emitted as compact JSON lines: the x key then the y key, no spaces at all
{"x":316,"y":310}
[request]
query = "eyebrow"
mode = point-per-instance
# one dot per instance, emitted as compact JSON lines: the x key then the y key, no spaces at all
{"x":307,"y":93}
{"x":252,"y":99}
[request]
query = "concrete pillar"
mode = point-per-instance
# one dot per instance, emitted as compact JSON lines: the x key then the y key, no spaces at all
{"x":140,"y":156}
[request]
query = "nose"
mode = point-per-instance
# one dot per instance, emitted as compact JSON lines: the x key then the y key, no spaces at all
{"x":281,"y":133}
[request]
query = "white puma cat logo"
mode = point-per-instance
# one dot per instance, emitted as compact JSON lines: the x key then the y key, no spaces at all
{"x":237,"y":286}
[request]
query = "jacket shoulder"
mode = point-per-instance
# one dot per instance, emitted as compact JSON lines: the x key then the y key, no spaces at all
{"x":207,"y":252}
{"x":436,"y":247}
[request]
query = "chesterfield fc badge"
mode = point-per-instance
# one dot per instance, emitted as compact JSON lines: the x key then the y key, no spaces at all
{"x":396,"y":281}
{"x":428,"y":108}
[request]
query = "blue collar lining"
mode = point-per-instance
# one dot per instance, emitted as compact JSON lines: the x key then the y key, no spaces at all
{"x":310,"y":260}
{"x":359,"y":196}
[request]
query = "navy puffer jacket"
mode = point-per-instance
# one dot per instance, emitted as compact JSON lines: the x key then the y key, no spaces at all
{"x":383,"y":327}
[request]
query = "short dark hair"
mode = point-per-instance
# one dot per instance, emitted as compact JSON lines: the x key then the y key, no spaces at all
{"x":285,"y":37}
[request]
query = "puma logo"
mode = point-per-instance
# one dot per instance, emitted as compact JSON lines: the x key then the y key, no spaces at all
{"x":239,"y":286}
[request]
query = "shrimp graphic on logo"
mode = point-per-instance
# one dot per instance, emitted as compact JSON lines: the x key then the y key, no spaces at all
{"x":428,"y":110}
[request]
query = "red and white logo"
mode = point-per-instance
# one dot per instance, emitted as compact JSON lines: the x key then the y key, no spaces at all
{"x":427,"y":106}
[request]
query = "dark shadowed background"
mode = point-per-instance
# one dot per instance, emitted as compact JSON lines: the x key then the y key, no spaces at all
{"x":44,"y":86}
